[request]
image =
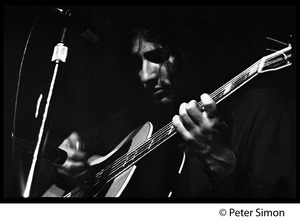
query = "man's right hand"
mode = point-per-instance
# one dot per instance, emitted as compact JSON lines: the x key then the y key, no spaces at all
{"x":75,"y":169}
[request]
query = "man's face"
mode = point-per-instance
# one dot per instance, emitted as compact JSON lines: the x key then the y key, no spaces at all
{"x":155,"y":71}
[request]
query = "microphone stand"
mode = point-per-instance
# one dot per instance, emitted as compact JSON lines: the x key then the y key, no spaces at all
{"x":59,"y":55}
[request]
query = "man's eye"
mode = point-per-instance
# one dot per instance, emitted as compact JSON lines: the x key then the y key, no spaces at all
{"x":157,"y":56}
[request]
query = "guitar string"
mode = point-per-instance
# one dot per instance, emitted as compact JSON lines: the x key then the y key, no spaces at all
{"x":110,"y":169}
{"x":169,"y":128}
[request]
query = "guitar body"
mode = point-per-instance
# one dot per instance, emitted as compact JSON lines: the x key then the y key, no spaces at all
{"x":115,"y":187}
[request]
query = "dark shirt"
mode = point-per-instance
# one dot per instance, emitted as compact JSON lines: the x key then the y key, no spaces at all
{"x":263,"y":138}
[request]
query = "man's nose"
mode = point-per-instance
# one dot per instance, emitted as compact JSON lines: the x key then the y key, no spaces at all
{"x":149,"y":73}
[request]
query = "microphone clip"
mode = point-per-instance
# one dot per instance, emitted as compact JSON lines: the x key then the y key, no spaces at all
{"x":64,"y":12}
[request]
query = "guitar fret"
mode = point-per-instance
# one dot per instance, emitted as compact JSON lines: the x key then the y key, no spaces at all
{"x":227,"y":88}
{"x":215,"y":97}
{"x":240,"y":80}
{"x":234,"y":83}
{"x":253,"y":70}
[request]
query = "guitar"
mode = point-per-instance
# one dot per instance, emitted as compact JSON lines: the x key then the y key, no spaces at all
{"x":111,"y":173}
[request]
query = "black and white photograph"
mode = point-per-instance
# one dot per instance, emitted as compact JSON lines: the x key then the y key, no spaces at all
{"x":150,"y":104}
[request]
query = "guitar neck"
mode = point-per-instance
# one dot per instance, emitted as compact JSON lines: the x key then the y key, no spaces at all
{"x":272,"y":62}
{"x":235,"y":83}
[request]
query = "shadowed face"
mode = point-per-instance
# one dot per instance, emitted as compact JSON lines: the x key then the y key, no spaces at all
{"x":156,"y":69}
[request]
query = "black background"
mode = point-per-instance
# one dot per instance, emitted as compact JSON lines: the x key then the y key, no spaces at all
{"x":94,"y":83}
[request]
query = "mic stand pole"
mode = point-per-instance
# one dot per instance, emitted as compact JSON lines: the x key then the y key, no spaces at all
{"x":59,"y":55}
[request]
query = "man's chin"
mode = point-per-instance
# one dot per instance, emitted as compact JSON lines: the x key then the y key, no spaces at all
{"x":164,"y":100}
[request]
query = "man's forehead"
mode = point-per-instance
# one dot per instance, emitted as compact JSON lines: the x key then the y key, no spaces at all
{"x":141,"y":46}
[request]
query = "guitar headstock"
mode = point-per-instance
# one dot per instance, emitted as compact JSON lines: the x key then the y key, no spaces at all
{"x":277,"y":60}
